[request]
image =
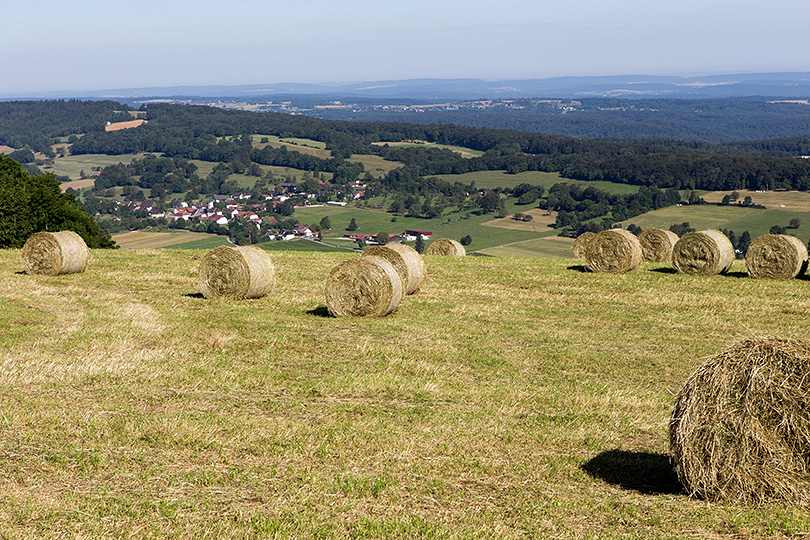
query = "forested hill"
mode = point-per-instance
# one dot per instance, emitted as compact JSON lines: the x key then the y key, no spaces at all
{"x":199,"y":132}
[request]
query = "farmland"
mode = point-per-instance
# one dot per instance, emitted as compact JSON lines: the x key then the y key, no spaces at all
{"x":509,"y":398}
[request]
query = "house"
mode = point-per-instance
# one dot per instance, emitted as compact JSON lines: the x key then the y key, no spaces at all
{"x":303,"y":230}
{"x":424,"y":234}
{"x":359,"y":236}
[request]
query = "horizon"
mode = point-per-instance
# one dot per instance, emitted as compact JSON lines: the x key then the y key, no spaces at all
{"x":95,"y":46}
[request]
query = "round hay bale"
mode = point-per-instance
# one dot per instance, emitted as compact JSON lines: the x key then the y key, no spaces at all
{"x":740,"y":430}
{"x":614,"y":250}
{"x":445,"y":246}
{"x":363,"y":287}
{"x":407,"y":262}
{"x":236,"y":272}
{"x":53,"y":253}
{"x":776,"y":256}
{"x":657,"y":244}
{"x":581,"y":244}
{"x":704,"y":253}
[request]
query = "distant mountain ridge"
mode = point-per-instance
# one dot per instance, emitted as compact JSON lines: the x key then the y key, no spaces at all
{"x":777,"y":85}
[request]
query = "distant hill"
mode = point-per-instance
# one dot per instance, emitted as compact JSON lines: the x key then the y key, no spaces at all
{"x":787,"y":85}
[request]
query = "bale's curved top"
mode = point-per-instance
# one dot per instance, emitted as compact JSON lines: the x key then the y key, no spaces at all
{"x":53,"y":253}
{"x":740,"y":430}
{"x":614,"y":251}
{"x":657,"y":244}
{"x":704,"y":253}
{"x":581,"y":244}
{"x":236,"y":272}
{"x":405,"y":260}
{"x":446,"y":246}
{"x":776,"y":256}
{"x":363,"y":287}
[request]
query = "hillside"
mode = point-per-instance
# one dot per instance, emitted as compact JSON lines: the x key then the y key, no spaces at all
{"x":506,"y":399}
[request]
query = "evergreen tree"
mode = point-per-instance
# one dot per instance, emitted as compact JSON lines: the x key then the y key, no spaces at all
{"x":420,"y":244}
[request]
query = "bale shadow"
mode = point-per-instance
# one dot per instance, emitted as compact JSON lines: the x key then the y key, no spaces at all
{"x":663,"y":270}
{"x":737,"y":274}
{"x":579,"y":268}
{"x":194,"y":295}
{"x":645,"y":472}
{"x":320,"y":311}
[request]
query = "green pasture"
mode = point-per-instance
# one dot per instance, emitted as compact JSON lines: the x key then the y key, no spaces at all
{"x":71,"y":166}
{"x":465,"y":152}
{"x":500,"y":179}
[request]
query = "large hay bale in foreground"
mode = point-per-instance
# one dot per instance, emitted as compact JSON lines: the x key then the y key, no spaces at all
{"x":703,"y":253}
{"x":776,"y":256}
{"x":445,"y":246}
{"x":53,"y":253}
{"x":581,"y":244}
{"x":740,"y":431}
{"x":657,"y":244}
{"x":236,"y":272}
{"x":614,"y":250}
{"x":407,"y":262}
{"x":363,"y":287}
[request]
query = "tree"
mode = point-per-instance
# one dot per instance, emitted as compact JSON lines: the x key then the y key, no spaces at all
{"x":795,"y":223}
{"x":352,"y":226}
{"x":681,"y":229}
{"x":383,"y":238}
{"x":420,"y":244}
{"x":465,"y":240}
{"x":777,"y":229}
{"x":326,"y":223}
{"x":743,"y":244}
{"x":30,"y":204}
{"x":633,"y":228}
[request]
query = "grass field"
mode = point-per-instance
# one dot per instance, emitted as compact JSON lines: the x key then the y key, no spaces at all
{"x":509,"y":398}
{"x":494,"y":179}
{"x":465,"y":152}
{"x":147,"y":239}
{"x":71,"y":166}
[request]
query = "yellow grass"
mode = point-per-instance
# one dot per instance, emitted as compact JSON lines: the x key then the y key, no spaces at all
{"x":794,"y":201}
{"x":125,"y":125}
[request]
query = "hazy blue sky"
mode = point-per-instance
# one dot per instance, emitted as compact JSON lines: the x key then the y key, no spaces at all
{"x":106,"y":44}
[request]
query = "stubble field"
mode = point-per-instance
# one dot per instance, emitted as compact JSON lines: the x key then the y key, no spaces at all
{"x":509,"y":398}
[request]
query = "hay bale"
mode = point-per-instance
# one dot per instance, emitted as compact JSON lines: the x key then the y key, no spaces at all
{"x":657,"y":244}
{"x":614,"y":250}
{"x":703,"y":253}
{"x":740,"y":431}
{"x":581,"y":244}
{"x":406,"y":261}
{"x":363,"y":287}
{"x":445,"y":246}
{"x":776,"y":256}
{"x":236,"y":272}
{"x":53,"y":253}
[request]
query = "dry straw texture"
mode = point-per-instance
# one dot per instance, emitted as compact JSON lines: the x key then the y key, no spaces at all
{"x":50,"y":253}
{"x":363,"y":287}
{"x":236,"y":272}
{"x":704,"y":253}
{"x":740,"y":431}
{"x":614,"y":250}
{"x":445,"y":246}
{"x":776,"y":256}
{"x":657,"y":244}
{"x":581,"y":244}
{"x":407,"y":262}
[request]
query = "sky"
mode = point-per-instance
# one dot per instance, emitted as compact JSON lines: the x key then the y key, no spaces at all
{"x":102,"y":44}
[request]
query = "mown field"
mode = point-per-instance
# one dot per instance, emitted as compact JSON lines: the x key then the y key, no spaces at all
{"x":508,"y":398}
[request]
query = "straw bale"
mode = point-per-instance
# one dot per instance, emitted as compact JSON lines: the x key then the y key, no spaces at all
{"x":703,"y":253}
{"x":53,"y":253}
{"x":614,"y":251}
{"x":445,"y":246}
{"x":657,"y":244}
{"x":740,"y":430}
{"x":581,"y":244}
{"x":407,"y":262}
{"x":236,"y":272}
{"x":776,"y":256}
{"x":363,"y":287}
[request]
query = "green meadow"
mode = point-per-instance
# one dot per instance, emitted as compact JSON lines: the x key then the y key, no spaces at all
{"x":507,"y":399}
